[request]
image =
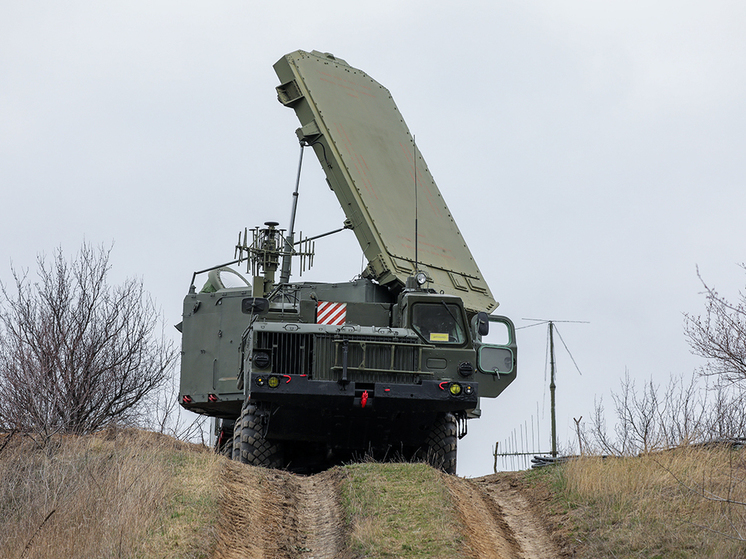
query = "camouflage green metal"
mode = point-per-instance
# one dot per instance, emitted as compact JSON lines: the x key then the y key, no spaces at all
{"x":374,"y":168}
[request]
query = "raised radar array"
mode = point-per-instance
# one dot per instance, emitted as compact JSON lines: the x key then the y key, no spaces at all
{"x":374,"y":167}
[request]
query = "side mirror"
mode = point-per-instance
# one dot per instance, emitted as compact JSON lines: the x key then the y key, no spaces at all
{"x":255,"y":305}
{"x":483,"y":324}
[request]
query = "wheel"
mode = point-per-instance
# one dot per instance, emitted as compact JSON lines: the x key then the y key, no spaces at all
{"x":441,"y":443}
{"x":251,"y":447}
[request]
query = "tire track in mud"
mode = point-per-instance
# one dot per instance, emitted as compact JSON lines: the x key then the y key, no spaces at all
{"x":269,"y":514}
{"x":485,"y":530}
{"x":322,"y":527}
{"x":498,"y":521}
{"x":530,"y":532}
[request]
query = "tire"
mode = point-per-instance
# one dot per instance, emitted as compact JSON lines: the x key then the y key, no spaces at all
{"x":441,"y":443}
{"x":251,"y":447}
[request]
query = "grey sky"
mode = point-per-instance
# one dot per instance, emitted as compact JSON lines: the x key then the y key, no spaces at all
{"x":592,"y":154}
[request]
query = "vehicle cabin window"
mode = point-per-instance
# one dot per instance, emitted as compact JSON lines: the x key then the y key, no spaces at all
{"x":438,"y":323}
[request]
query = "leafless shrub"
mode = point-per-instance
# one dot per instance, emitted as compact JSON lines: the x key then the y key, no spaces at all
{"x":77,"y":354}
{"x":168,"y":417}
{"x":720,"y":335}
{"x":656,"y":418}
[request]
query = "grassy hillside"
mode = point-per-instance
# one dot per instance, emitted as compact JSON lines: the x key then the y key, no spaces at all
{"x":142,"y":495}
{"x":682,"y":503}
{"x":115,"y":494}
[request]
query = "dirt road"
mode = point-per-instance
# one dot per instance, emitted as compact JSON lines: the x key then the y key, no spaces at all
{"x":270,"y":514}
{"x":500,"y":521}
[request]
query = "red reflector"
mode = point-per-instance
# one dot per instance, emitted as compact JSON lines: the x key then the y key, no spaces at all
{"x":187,"y":399}
{"x":212,"y":398}
{"x":387,"y":390}
{"x":364,"y":399}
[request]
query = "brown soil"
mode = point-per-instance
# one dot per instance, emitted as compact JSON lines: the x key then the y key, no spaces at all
{"x":273,"y":514}
{"x":524,"y":510}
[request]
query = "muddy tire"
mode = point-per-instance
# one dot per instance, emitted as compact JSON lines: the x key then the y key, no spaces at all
{"x":441,"y":444}
{"x":250,"y":446}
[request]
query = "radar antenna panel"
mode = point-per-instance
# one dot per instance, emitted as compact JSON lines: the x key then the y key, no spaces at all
{"x":371,"y":163}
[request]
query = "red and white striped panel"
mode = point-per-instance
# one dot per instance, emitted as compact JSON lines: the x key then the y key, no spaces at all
{"x":331,"y":313}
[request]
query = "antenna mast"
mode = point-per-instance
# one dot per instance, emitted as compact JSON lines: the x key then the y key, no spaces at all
{"x":552,"y":383}
{"x":416,"y":235}
{"x":288,"y":252}
{"x":552,"y":389}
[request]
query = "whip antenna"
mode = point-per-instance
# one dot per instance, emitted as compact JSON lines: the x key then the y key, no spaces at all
{"x":416,"y":259}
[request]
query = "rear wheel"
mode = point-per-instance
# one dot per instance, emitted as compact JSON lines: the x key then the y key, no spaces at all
{"x":441,"y":443}
{"x":249,"y":444}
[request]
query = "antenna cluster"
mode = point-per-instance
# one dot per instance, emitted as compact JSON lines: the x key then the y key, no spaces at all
{"x":268,"y":245}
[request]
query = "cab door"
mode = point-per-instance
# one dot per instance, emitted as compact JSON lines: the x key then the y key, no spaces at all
{"x":497,"y":354}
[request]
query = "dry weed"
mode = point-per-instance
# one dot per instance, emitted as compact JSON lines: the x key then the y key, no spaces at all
{"x":112,"y":494}
{"x":689,"y":502}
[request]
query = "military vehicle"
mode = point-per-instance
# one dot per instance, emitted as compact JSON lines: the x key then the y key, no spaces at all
{"x":302,"y":375}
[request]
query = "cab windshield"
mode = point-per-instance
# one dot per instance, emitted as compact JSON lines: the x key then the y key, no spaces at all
{"x":439,"y":323}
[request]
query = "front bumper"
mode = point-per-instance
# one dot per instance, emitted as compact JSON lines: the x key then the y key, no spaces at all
{"x":302,"y":392}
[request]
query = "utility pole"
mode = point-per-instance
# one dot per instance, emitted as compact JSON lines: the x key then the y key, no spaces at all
{"x":552,"y":383}
{"x":552,"y":389}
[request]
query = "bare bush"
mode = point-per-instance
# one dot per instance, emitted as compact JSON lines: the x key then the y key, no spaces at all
{"x":169,"y":418}
{"x":720,"y":335}
{"x":77,"y":354}
{"x":656,"y":418}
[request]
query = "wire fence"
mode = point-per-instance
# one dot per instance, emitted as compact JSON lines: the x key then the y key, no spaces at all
{"x":517,"y":450}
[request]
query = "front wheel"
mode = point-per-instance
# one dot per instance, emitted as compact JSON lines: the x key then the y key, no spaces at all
{"x":441,"y":443}
{"x":249,"y":444}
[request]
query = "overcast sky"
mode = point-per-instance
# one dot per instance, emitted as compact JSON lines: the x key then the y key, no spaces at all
{"x":591,"y":152}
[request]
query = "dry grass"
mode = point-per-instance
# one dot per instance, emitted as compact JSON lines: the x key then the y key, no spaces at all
{"x":667,"y":504}
{"x":400,"y":510}
{"x":113,"y":494}
{"x":141,"y":495}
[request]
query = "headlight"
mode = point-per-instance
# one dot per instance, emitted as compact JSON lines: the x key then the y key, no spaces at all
{"x":273,"y":382}
{"x":455,"y":389}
